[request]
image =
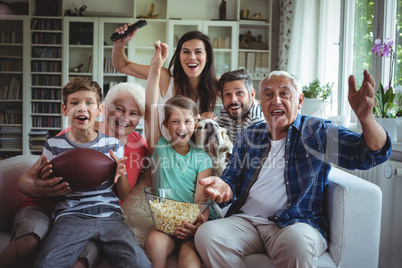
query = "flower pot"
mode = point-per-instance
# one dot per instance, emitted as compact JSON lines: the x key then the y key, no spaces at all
{"x":399,"y":129}
{"x":389,"y":124}
{"x":315,"y":107}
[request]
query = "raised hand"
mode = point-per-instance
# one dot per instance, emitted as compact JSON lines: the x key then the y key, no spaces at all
{"x":362,"y":101}
{"x":126,"y":39}
{"x":121,"y":168}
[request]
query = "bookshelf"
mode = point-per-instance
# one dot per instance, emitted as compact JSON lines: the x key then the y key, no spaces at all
{"x":13,"y":32}
{"x":45,"y":78}
{"x":41,"y":51}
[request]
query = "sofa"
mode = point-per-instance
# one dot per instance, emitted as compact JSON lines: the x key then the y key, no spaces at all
{"x":353,"y":207}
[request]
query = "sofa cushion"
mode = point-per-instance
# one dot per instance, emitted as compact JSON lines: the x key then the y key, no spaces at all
{"x":11,"y":170}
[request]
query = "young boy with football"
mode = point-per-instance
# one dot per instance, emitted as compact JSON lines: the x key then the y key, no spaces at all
{"x":93,"y":214}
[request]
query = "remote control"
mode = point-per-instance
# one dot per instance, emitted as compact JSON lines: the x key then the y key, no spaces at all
{"x":130,"y":29}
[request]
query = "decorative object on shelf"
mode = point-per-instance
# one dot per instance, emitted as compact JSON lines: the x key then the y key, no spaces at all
{"x":251,"y":42}
{"x":244,"y":14}
{"x":257,"y":16}
{"x":17,"y":8}
{"x":315,"y":91}
{"x":222,"y":10}
{"x":78,"y":12}
{"x":48,"y":7}
{"x":76,"y":69}
{"x":150,"y":14}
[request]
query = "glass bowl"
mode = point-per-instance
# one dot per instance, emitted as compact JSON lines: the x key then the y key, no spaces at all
{"x":169,"y":210}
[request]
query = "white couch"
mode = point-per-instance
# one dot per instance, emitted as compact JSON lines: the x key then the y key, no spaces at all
{"x":353,"y":206}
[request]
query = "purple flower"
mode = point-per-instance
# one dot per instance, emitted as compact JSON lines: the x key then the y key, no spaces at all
{"x":380,"y":50}
{"x":387,"y":51}
{"x":388,"y":42}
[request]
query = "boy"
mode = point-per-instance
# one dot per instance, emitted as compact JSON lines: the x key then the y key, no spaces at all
{"x":93,"y":214}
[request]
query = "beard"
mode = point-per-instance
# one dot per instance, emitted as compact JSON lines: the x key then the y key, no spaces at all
{"x":244,"y":111}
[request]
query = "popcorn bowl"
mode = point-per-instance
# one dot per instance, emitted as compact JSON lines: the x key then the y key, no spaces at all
{"x":169,"y":211}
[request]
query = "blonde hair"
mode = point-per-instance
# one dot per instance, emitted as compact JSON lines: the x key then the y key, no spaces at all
{"x":135,"y":90}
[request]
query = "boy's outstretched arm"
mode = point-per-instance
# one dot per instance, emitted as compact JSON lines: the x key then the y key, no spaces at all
{"x":152,"y":129}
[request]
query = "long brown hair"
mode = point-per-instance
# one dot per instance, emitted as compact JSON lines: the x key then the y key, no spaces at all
{"x":208,"y":86}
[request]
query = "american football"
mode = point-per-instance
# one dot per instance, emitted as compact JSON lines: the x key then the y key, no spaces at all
{"x":83,"y":168}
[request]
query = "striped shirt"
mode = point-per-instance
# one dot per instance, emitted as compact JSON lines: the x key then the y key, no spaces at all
{"x":312,"y":144}
{"x":254,"y":116}
{"x":98,"y":202}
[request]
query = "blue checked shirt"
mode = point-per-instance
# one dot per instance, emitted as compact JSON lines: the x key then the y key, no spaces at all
{"x":311,"y":145}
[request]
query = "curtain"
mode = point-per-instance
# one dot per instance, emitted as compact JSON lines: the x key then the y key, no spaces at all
{"x":285,"y":32}
{"x":314,"y":44}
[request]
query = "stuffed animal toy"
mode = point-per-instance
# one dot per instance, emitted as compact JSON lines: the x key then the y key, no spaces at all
{"x":215,"y":141}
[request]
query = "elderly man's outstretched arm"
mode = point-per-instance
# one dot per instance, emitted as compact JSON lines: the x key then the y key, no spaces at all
{"x":362,"y":102}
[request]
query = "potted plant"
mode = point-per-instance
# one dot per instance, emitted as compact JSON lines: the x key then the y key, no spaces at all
{"x":315,"y":91}
{"x":387,"y":105}
{"x":315,"y":98}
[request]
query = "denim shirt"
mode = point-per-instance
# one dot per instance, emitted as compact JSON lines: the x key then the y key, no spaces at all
{"x":311,"y":145}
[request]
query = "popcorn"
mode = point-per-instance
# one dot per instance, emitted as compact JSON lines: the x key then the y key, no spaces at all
{"x":169,"y":215}
{"x":158,"y":43}
{"x":213,"y":190}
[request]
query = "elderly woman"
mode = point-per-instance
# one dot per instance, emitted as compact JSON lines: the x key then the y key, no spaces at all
{"x":124,"y":106}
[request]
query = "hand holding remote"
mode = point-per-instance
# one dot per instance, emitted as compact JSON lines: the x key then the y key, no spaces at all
{"x":116,"y":36}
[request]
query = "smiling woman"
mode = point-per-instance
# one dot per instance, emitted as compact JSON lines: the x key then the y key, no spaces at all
{"x":191,"y":71}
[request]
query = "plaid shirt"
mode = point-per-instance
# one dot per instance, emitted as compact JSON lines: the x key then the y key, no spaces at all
{"x":311,"y":145}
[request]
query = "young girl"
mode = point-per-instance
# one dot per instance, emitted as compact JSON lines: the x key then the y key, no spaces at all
{"x":175,"y":164}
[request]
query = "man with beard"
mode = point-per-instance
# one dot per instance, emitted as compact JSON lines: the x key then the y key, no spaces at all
{"x":240,"y":109}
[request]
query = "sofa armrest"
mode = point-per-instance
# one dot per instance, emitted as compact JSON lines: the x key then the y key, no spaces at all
{"x":11,"y":170}
{"x":354,"y":212}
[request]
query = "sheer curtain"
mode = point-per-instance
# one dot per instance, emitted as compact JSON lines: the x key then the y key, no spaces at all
{"x":314,"y":44}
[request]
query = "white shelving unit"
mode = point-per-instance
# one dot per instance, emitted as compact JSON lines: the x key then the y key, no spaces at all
{"x":64,"y":48}
{"x":13,"y":79}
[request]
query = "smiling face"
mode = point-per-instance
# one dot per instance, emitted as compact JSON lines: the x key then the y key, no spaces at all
{"x":193,"y":57}
{"x":237,"y":100}
{"x":82,"y":109}
{"x":181,"y":125}
{"x":280,"y":103}
{"x":122,"y":115}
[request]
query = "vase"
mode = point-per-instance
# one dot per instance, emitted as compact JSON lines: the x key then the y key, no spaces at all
{"x":399,"y":129}
{"x":315,"y":107}
{"x":222,"y":10}
{"x":389,"y":124}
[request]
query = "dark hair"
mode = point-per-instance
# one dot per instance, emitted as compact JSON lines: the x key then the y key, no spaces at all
{"x":241,"y":74}
{"x":81,"y":83}
{"x":180,"y":102}
{"x":207,"y":87}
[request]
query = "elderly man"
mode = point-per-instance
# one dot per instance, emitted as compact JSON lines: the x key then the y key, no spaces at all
{"x":240,"y":109}
{"x":277,"y":174}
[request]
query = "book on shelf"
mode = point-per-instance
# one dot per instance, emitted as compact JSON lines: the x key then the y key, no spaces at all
{"x":9,"y":130}
{"x":90,"y":64}
{"x":250,"y":64}
{"x":12,"y":91}
{"x":242,"y":60}
{"x":37,"y":139}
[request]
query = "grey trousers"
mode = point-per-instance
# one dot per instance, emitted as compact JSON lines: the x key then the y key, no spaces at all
{"x":225,"y":243}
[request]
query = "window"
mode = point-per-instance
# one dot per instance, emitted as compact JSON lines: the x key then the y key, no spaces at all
{"x":363,"y":21}
{"x":398,"y":47}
